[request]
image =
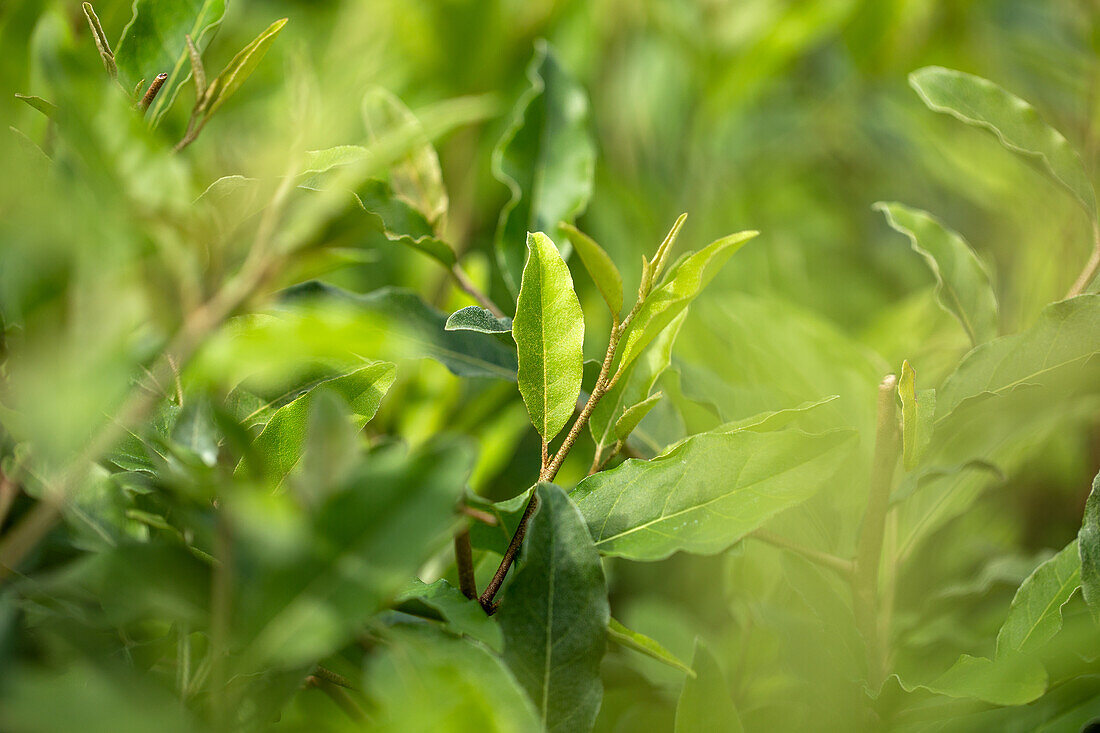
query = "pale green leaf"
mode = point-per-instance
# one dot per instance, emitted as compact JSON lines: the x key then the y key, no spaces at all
{"x":980,"y":102}
{"x":476,"y":318}
{"x":641,"y":643}
{"x":1088,"y":539}
{"x":549,"y":334}
{"x":319,"y":161}
{"x":415,"y":177}
{"x":1010,"y":679}
{"x":708,"y":492}
{"x":47,"y":108}
{"x":554,"y":616}
{"x":634,"y":414}
{"x":239,"y":68}
{"x":1036,"y":612}
{"x":705,"y":703}
{"x":155,"y":42}
{"x":101,"y":42}
{"x":681,"y":286}
{"x":774,"y":419}
{"x":918,"y":413}
{"x":963,"y":286}
{"x":547,"y":158}
{"x":599,"y":265}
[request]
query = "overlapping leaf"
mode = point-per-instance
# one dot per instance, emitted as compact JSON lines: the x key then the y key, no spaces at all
{"x":1088,"y":540}
{"x":1036,"y":612}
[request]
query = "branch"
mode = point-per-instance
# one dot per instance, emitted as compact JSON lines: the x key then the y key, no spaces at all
{"x":467,"y":285}
{"x":152,"y":92}
{"x":825,"y":559}
{"x":1091,"y":267}
{"x":464,"y":559}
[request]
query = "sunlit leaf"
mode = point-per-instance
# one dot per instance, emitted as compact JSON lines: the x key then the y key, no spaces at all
{"x":239,"y":68}
{"x":918,"y":412}
{"x":634,"y":414}
{"x":476,"y":318}
{"x":549,"y":334}
{"x":1088,"y":540}
{"x":600,"y":267}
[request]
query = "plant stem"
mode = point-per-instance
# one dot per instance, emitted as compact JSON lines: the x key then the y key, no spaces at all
{"x":869,"y":549}
{"x":8,"y":492}
{"x":152,"y":92}
{"x":825,"y":559}
{"x":1091,"y":267}
{"x":467,"y":285}
{"x":550,"y":466}
{"x":464,"y":559}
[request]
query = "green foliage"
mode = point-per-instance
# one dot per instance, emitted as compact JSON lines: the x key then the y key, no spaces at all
{"x":705,"y":702}
{"x":1088,"y":542}
{"x":1036,"y":612}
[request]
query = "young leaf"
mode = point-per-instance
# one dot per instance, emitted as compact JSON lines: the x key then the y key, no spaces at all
{"x":101,"y":41}
{"x":1036,"y":612}
{"x":623,"y":636}
{"x":47,"y":108}
{"x":239,"y":68}
{"x":1088,"y":540}
{"x":279,"y":445}
{"x":549,"y":334}
{"x":416,"y":177}
{"x":554,"y":616}
{"x":547,"y":158}
{"x":651,"y":272}
{"x":155,"y":41}
{"x":680,"y":288}
{"x":599,"y":265}
{"x":963,"y":286}
{"x":198,"y":71}
{"x":476,"y":318}
{"x":705,"y":702}
{"x":918,"y":412}
{"x":708,"y":492}
{"x":634,"y":414}
{"x":980,"y":102}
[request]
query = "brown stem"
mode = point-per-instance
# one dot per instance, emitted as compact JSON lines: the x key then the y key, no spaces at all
{"x":839,"y":564}
{"x":8,"y":492}
{"x":1091,"y":267}
{"x":872,"y":531}
{"x":152,"y":92}
{"x":464,"y":559}
{"x":467,"y":285}
{"x":510,"y":553}
{"x":483,"y":517}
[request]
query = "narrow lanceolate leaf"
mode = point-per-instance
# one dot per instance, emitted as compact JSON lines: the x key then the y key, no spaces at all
{"x":155,"y":42}
{"x":652,"y":271}
{"x":918,"y":413}
{"x":963,"y":287}
{"x":549,"y":334}
{"x":1010,"y":679}
{"x":774,"y":419}
{"x":45,"y":107}
{"x":1066,"y":334}
{"x":1088,"y":540}
{"x":279,"y":445}
{"x":1036,"y":612}
{"x":705,"y":702}
{"x":554,"y":616}
{"x":476,"y":318}
{"x":708,"y":492}
{"x":679,"y":289}
{"x":400,"y":222}
{"x":416,"y":177}
{"x":978,"y":101}
{"x":546,"y":158}
{"x":641,"y":643}
{"x":239,"y":68}
{"x":101,"y":41}
{"x":633,"y":415}
{"x":600,"y":267}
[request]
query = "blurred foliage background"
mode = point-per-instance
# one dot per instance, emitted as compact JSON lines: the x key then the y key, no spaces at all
{"x":791,"y":118}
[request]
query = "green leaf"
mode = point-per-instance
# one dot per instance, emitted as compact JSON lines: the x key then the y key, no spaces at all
{"x":554,"y":616}
{"x":415,"y":177}
{"x":239,"y":68}
{"x":708,"y":492}
{"x":1088,"y":540}
{"x":495,"y":538}
{"x":101,"y":41}
{"x":775,"y":419}
{"x":279,"y":445}
{"x":476,"y":318}
{"x":977,"y":101}
{"x":155,"y":41}
{"x":47,"y":108}
{"x":705,"y":703}
{"x":623,"y":636}
{"x":599,"y":265}
{"x":1036,"y":612}
{"x":424,"y":681}
{"x":634,"y":385}
{"x":1010,"y":679}
{"x":963,"y":286}
{"x":462,"y":615}
{"x":634,"y":414}
{"x":918,"y":413}
{"x":547,"y":158}
{"x":402,"y":223}
{"x":1067,"y":333}
{"x":549,"y":334}
{"x":681,"y":286}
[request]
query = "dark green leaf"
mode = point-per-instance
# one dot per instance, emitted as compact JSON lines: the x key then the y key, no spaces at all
{"x":463,"y":616}
{"x":1089,"y":548}
{"x":546,"y":158}
{"x":554,"y":616}
{"x":475,"y":318}
{"x":402,"y":223}
{"x":549,"y":334}
{"x":708,"y":492}
{"x":963,"y":286}
{"x":705,"y":703}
